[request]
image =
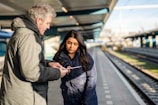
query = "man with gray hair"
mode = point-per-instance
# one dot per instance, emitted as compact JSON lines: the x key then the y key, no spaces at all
{"x":26,"y":73}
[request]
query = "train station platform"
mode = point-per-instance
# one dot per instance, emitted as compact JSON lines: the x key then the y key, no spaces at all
{"x":112,"y":88}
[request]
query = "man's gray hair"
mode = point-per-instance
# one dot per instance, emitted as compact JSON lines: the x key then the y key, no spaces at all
{"x":41,"y":11}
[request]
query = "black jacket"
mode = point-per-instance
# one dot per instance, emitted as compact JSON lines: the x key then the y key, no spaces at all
{"x":73,"y":86}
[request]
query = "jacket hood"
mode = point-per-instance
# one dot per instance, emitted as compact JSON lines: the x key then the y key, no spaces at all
{"x":24,"y":22}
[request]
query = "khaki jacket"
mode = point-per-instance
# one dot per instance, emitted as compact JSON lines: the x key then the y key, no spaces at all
{"x":25,"y":74}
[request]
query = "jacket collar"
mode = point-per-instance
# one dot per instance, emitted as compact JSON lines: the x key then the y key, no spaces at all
{"x":24,"y":22}
{"x":65,"y":55}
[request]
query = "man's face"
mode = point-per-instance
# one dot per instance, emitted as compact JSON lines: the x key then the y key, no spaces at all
{"x":43,"y":25}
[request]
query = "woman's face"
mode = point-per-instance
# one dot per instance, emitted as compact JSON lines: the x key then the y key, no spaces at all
{"x":71,"y":45}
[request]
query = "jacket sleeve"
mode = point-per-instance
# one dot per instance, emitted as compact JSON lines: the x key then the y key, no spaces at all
{"x":29,"y":56}
{"x":90,"y":96}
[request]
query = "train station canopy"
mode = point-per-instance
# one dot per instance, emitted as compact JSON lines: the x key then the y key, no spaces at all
{"x":85,"y":16}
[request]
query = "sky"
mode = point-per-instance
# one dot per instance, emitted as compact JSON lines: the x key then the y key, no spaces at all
{"x":141,"y":15}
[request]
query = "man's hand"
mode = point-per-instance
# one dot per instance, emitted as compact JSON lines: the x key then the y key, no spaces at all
{"x":55,"y":65}
{"x":63,"y":71}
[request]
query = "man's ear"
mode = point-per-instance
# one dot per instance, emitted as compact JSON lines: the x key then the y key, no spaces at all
{"x":37,"y":21}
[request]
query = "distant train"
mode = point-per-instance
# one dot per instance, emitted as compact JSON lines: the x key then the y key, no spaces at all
{"x":4,"y":38}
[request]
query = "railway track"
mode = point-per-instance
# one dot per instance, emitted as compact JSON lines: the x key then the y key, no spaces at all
{"x":143,"y":57}
{"x":145,"y":85}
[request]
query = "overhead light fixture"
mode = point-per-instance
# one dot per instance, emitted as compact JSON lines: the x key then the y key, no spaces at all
{"x":71,"y":17}
{"x":64,"y":9}
{"x":77,"y":23}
